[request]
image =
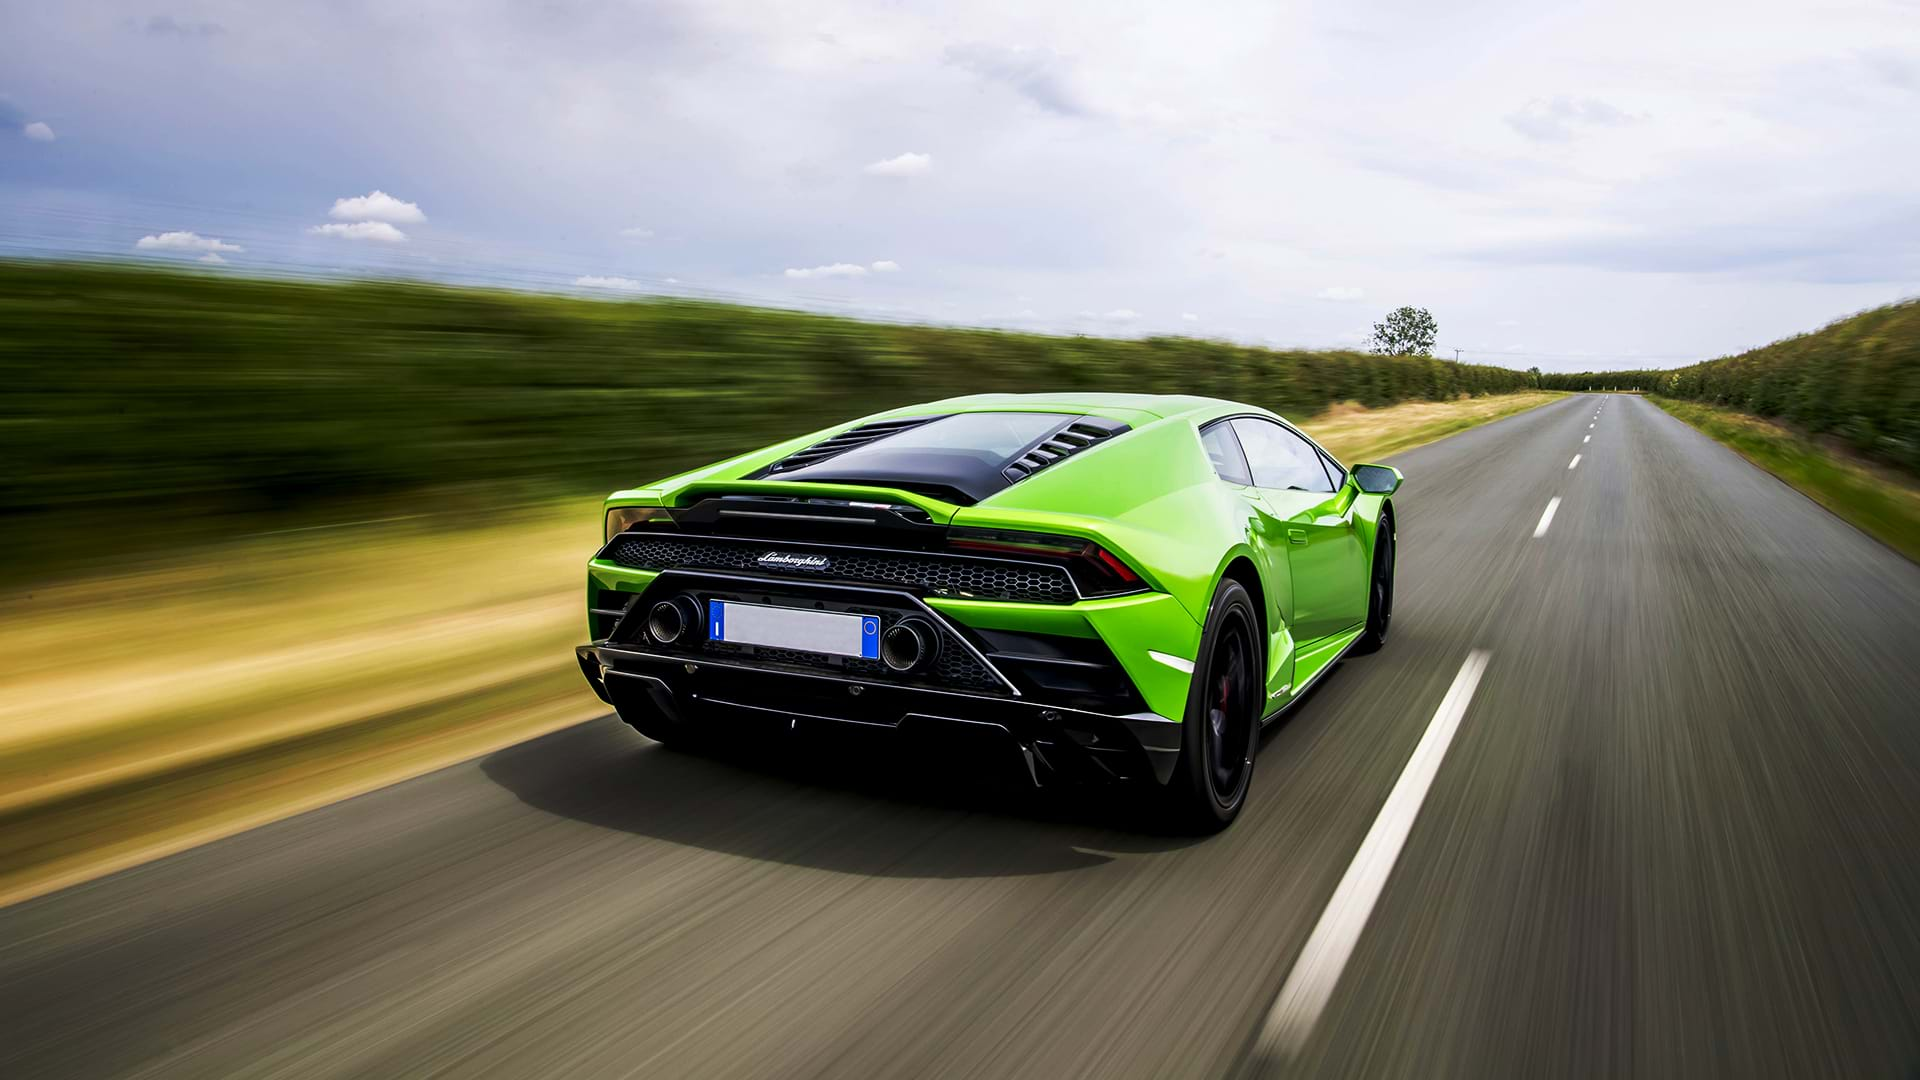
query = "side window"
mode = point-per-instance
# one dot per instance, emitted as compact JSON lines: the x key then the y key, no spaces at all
{"x":1281,"y":459}
{"x":1334,"y":472}
{"x":1224,"y":451}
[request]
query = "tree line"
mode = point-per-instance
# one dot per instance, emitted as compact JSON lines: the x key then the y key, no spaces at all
{"x":1856,"y":379}
{"x":146,"y":394}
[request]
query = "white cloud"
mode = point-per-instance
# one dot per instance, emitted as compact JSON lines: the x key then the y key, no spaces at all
{"x":907,"y":164}
{"x":637,"y":233}
{"x":1556,"y":120}
{"x":1508,"y":322}
{"x":184,"y":241}
{"x":1039,"y":75}
{"x":617,"y":284}
{"x":361,"y":230}
{"x":1121,"y":315}
{"x":212,"y":257}
{"x":1340,"y":293}
{"x":377,"y":205}
{"x":885,"y":266}
{"x":1188,"y":316}
{"x":38,"y":132}
{"x":847,"y":270}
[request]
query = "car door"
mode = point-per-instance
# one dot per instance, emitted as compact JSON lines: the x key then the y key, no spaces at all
{"x":1325,"y":552}
{"x":1267,"y":535}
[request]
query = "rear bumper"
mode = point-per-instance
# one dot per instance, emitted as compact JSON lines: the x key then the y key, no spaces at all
{"x":1044,"y":743}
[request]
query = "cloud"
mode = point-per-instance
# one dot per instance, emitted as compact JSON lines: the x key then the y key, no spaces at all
{"x":168,"y":26}
{"x":38,"y":132}
{"x":617,"y":284}
{"x":361,"y":230}
{"x":1340,"y":294}
{"x":1188,"y":316}
{"x":637,"y":233}
{"x":846,"y":270}
{"x":885,"y":266}
{"x":1038,"y":75}
{"x":1558,"y":119}
{"x":1508,"y":322}
{"x":377,"y":205}
{"x":184,"y":241}
{"x":907,"y":164}
{"x":212,"y":257}
{"x":1121,"y":315}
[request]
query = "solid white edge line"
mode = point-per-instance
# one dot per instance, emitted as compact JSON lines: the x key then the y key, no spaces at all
{"x":1574,"y":462}
{"x":1173,"y":662}
{"x":1546,"y":518}
{"x":1310,"y":984}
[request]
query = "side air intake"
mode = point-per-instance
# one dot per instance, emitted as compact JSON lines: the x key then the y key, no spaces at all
{"x":1068,"y":441}
{"x":845,"y":441}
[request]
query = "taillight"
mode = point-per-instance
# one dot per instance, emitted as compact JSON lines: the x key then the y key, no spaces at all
{"x":622,"y":518}
{"x":1095,"y":570}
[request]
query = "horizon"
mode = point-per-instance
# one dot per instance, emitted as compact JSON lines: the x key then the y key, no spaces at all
{"x":1559,"y":188}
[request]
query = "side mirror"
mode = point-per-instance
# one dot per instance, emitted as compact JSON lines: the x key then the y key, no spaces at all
{"x":1377,"y":479}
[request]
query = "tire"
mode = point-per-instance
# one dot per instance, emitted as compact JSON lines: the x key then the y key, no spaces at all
{"x":1221,"y":728}
{"x":1379,"y":590}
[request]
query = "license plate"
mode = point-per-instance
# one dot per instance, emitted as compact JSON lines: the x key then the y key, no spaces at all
{"x":832,"y":632}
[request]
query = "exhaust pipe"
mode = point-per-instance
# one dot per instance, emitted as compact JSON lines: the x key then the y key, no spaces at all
{"x":909,"y":644}
{"x":670,"y":619}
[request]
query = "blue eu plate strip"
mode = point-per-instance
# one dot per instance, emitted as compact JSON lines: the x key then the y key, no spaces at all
{"x":716,"y":620}
{"x":870,"y":637}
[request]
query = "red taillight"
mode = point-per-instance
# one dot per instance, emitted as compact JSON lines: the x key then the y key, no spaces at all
{"x":1120,"y":570}
{"x":1096,"y":571}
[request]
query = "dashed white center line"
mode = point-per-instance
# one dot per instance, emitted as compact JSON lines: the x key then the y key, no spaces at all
{"x":1546,"y":518}
{"x":1315,"y":973}
{"x":1586,"y":438}
{"x":1575,"y":462}
{"x":1589,"y":427}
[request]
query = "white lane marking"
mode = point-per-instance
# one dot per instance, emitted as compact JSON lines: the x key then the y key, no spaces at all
{"x":1575,"y":462}
{"x":1586,"y":439}
{"x":1546,"y":518}
{"x":1589,"y":427}
{"x":1173,"y":662}
{"x":1310,"y":984}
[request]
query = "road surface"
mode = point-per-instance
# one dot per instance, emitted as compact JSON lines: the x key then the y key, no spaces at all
{"x":1672,"y":829}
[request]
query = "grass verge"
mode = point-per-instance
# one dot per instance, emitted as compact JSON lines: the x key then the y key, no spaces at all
{"x":1874,"y":500}
{"x":154,"y":708}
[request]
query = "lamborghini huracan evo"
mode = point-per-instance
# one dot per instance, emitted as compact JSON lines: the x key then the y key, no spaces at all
{"x":1111,"y":588}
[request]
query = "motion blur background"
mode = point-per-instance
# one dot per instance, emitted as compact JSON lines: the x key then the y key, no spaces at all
{"x":324,"y":329}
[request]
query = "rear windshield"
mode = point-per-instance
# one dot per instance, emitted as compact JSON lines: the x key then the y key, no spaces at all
{"x":988,"y":440}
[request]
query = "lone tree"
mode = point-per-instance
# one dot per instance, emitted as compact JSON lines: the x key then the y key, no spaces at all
{"x":1408,"y":331}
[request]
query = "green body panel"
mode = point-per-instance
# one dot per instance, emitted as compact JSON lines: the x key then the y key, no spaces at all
{"x":1152,"y":498}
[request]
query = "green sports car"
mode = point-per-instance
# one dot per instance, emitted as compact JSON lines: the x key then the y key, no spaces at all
{"x":1112,"y":588}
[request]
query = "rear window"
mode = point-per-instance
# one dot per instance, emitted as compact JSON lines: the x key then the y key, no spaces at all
{"x":988,"y":440}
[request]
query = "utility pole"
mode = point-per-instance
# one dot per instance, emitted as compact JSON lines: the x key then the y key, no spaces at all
{"x":1456,"y":356}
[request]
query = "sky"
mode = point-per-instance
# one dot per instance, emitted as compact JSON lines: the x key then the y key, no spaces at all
{"x":1564,"y":185}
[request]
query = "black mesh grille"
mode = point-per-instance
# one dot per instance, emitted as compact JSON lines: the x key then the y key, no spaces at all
{"x":942,"y":575}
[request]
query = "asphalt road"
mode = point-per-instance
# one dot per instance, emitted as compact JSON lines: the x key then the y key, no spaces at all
{"x":1676,"y":832}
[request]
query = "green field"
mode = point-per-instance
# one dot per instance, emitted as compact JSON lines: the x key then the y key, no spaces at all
{"x":150,"y":410}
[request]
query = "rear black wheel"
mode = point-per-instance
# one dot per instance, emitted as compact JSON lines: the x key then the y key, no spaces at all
{"x":1222,"y":723}
{"x":1379,"y":590}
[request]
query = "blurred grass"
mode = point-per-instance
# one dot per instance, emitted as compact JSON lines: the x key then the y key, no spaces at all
{"x":153,"y":707}
{"x":149,"y":410}
{"x":1879,"y":501}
